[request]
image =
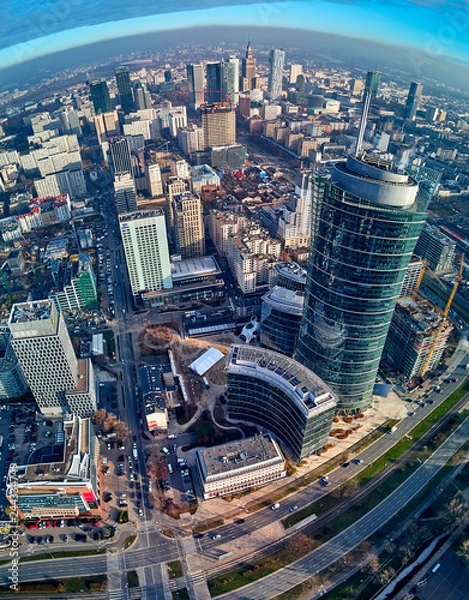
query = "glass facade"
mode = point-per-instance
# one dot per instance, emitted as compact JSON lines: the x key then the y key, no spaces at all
{"x":360,"y":251}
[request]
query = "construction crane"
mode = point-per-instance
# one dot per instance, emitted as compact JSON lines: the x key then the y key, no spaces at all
{"x":444,"y":315}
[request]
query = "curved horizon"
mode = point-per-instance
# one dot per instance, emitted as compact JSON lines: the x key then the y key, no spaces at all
{"x":408,"y":25}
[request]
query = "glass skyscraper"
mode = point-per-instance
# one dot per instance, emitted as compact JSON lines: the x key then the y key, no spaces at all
{"x":365,"y":224}
{"x":100,"y":96}
{"x":125,"y":89}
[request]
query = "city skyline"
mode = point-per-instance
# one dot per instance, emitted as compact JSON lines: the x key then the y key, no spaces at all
{"x":437,"y":29}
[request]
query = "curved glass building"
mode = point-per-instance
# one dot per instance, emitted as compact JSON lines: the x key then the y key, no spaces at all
{"x":280,"y":319}
{"x":365,"y":226}
{"x":281,"y":396}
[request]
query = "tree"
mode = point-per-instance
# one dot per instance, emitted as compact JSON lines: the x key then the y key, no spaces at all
{"x":386,"y":575}
{"x":298,"y":545}
{"x":371,"y":564}
{"x":456,"y":511}
{"x":463,"y":550}
{"x":121,"y":430}
{"x":109,"y":422}
{"x":99,"y":416}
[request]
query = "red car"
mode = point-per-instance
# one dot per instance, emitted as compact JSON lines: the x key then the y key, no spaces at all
{"x":32,"y":525}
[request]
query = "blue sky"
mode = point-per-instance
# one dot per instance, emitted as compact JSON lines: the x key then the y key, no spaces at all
{"x":33,"y":28}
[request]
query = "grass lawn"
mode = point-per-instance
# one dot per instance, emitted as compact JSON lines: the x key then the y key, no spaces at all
{"x":181,"y":594}
{"x":132,"y":579}
{"x":175,"y":569}
{"x":61,"y":554}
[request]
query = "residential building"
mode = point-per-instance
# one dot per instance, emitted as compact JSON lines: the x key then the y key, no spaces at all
{"x":282,"y":396}
{"x":146,"y":250}
{"x":436,"y":248}
{"x":412,"y":276}
{"x":417,"y":337}
{"x":222,"y":224}
{"x":154,"y":182}
{"x":189,"y":231}
{"x":239,"y":466}
{"x":276,"y":65}
{"x":295,"y":70}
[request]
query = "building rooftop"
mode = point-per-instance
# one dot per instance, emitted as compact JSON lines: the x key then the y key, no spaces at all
{"x":292,"y":270}
{"x":31,"y":311}
{"x":233,"y":456}
{"x":194,"y":267}
{"x":289,"y":301}
{"x":141,"y":214}
{"x":309,"y":391}
{"x":420,"y":315}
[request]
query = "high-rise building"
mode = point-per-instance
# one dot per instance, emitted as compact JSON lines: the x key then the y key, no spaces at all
{"x":220,"y":82}
{"x":154,"y":182}
{"x":295,"y":70}
{"x":125,"y":193}
{"x":100,"y":96}
{"x":195,"y":84}
{"x":189,"y":231}
{"x":119,"y":151}
{"x":248,"y":79}
{"x":276,"y":65}
{"x":219,"y":125}
{"x":365,"y":224}
{"x":234,"y":60}
{"x":125,"y":89}
{"x":81,"y":293}
{"x":142,"y":97}
{"x":146,"y":250}
{"x":436,"y":248}
{"x":413,"y":100}
{"x":59,"y":382}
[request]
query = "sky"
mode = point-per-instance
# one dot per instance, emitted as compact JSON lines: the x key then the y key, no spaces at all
{"x":34,"y":28}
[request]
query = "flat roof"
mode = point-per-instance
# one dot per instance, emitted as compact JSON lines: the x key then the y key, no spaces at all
{"x":194,"y":267}
{"x":31,"y":311}
{"x":233,"y":456}
{"x":205,"y":362}
{"x":289,"y":301}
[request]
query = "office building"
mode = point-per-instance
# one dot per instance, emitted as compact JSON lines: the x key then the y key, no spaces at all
{"x":154,"y":182}
{"x":142,"y":97}
{"x":417,"y":337}
{"x":12,"y":380}
{"x":100,"y":98}
{"x":248,"y":79}
{"x":295,"y":70}
{"x":280,"y":319}
{"x":59,"y":382}
{"x":125,"y":89}
{"x":289,"y":275}
{"x":191,"y":139}
{"x":365,"y":224}
{"x":146,"y":250}
{"x":125,"y":193}
{"x":177,"y":119}
{"x":413,"y":101}
{"x":61,"y":483}
{"x":120,"y":156}
{"x":436,"y":248}
{"x":412,"y":276}
{"x":276,"y":64}
{"x":81,"y":292}
{"x":221,"y":82}
{"x":239,"y":466}
{"x":189,"y":231}
{"x":195,"y":84}
{"x":282,"y":396}
{"x":234,"y":60}
{"x":107,"y":125}
{"x":218,"y":124}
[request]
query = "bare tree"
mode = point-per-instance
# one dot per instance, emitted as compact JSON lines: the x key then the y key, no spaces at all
{"x":463,"y":550}
{"x":121,"y":430}
{"x":109,"y":422}
{"x":99,"y":416}
{"x":455,"y":512}
{"x":386,"y":575}
{"x":371,"y":564}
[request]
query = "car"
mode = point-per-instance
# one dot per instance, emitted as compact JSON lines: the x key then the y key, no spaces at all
{"x":357,"y":461}
{"x":140,"y":512}
{"x":293,"y":508}
{"x":216,"y":536}
{"x":239,"y":521}
{"x":275,"y":506}
{"x":80,"y":537}
{"x":429,"y":401}
{"x":66,"y":538}
{"x":345,"y":464}
{"x":455,"y":379}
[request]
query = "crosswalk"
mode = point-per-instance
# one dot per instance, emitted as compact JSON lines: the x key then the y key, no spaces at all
{"x":117,"y":595}
{"x":197,"y":577}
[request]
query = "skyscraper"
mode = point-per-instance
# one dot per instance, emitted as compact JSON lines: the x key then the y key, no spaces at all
{"x":142,"y":97}
{"x":189,"y":232}
{"x":234,"y":60}
{"x":146,"y":250}
{"x":248,"y":79}
{"x":100,"y":98}
{"x":365,"y":224}
{"x":295,"y":70}
{"x":220,"y":82}
{"x":195,"y":84}
{"x":125,"y":192}
{"x":119,"y":151}
{"x":125,"y":89}
{"x":413,"y":100}
{"x":59,"y":382}
{"x":219,"y":125}
{"x":276,"y":64}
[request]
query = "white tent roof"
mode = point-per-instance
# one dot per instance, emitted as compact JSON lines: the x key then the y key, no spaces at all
{"x":206,"y":361}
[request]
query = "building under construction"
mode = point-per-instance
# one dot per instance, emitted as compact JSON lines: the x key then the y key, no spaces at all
{"x":417,"y":337}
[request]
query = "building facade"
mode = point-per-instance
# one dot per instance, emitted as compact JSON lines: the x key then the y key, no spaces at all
{"x":436,"y":248}
{"x":280,"y":319}
{"x":239,"y":466}
{"x":218,"y":124}
{"x":146,"y":250}
{"x":189,"y":231}
{"x":282,"y":396}
{"x":365,"y":225}
{"x":125,"y":89}
{"x":276,"y":66}
{"x":100,"y":98}
{"x":195,"y":84}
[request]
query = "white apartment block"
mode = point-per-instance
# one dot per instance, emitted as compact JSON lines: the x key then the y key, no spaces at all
{"x":65,"y":182}
{"x":146,"y":250}
{"x":222,"y":224}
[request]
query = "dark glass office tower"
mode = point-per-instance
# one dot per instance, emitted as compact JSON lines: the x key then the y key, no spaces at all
{"x":365,"y":224}
{"x":413,"y":100}
{"x":125,"y":89}
{"x":220,"y":82}
{"x":100,"y":96}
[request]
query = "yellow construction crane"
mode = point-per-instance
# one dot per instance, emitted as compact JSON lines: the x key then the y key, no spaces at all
{"x":444,"y":315}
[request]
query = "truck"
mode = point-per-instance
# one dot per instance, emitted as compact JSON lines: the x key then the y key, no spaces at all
{"x":206,"y":383}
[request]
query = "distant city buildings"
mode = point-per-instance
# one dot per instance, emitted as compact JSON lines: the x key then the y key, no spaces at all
{"x":100,"y":98}
{"x":125,"y":89}
{"x":413,"y":100}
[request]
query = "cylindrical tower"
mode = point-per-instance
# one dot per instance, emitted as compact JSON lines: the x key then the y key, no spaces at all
{"x":364,"y":229}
